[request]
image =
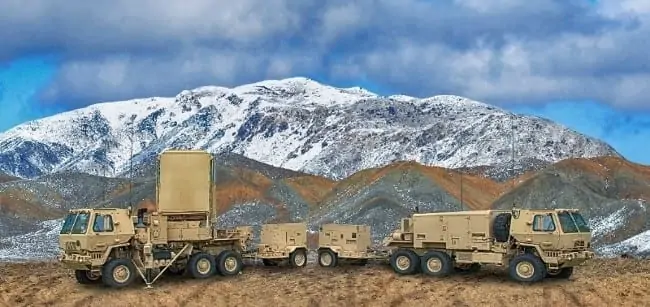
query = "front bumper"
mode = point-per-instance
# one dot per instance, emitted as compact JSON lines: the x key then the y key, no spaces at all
{"x":74,"y":261}
{"x":575,"y":258}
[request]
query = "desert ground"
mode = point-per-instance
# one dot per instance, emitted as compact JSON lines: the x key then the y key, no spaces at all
{"x":619,"y":282}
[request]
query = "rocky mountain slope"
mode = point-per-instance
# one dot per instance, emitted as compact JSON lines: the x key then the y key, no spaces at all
{"x":297,"y":124}
{"x":611,"y":192}
{"x":614,"y":193}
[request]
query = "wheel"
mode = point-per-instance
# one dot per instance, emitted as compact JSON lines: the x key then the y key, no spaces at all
{"x":563,"y":273}
{"x":501,"y":227}
{"x":404,"y":262}
{"x":201,"y":265}
{"x":229,"y":263}
{"x":527,"y":268}
{"x":269,"y":262}
{"x":327,"y":258}
{"x":471,"y":268}
{"x":360,"y":262}
{"x":87,"y":277}
{"x":298,"y":258}
{"x":436,"y":263}
{"x":118,"y":273}
{"x":175,"y":270}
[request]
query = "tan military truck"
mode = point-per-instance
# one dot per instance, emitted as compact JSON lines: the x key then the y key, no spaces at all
{"x":349,"y":243}
{"x":282,"y":242}
{"x":108,"y":245}
{"x":532,"y":244}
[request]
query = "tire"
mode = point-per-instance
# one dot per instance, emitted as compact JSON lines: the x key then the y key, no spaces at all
{"x":175,"y":271}
{"x":298,"y":258}
{"x":404,"y":262}
{"x":269,"y":262}
{"x":201,"y":265}
{"x":473,"y":268}
{"x":86,"y":277}
{"x":118,"y":273}
{"x":436,"y":263}
{"x":229,"y":263}
{"x":327,"y":258}
{"x":563,"y":273}
{"x":501,"y":227}
{"x":527,"y":268}
{"x":361,"y":262}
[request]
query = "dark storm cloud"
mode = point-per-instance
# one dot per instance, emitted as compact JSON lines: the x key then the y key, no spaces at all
{"x":499,"y":51}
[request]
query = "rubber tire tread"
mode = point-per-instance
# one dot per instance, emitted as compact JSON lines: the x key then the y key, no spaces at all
{"x":335,"y":259}
{"x":501,"y":227}
{"x":565,"y":273}
{"x":415,"y":261}
{"x":191,"y":265}
{"x":293,"y":255}
{"x":446,"y":262}
{"x":538,"y":265}
{"x":82,"y":278}
{"x":221,"y":264}
{"x":107,"y":273}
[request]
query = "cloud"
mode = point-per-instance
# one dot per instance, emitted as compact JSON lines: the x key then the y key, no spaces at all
{"x":509,"y":51}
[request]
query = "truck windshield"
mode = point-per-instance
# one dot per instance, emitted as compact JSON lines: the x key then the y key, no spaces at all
{"x":75,"y":223}
{"x":572,"y":222}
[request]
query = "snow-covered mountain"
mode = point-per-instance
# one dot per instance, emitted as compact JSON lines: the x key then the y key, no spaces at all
{"x":295,"y":123}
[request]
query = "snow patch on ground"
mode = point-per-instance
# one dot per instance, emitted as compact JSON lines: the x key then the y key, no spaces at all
{"x":603,"y":225}
{"x":637,"y":245}
{"x":39,"y":245}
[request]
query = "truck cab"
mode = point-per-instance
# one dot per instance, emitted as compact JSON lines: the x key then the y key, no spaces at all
{"x":88,"y":236}
{"x":552,"y":230}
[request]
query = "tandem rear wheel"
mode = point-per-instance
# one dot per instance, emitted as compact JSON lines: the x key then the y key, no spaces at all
{"x":229,"y":263}
{"x":405,"y":262}
{"x":201,"y":265}
{"x":437,"y":263}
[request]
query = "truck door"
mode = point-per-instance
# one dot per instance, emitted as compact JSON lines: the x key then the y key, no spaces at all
{"x":103,"y":230}
{"x":544,"y":231}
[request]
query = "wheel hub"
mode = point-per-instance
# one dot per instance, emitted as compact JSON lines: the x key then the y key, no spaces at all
{"x":203,"y":266}
{"x":525,"y":269}
{"x":92,"y":275}
{"x":434,"y":264}
{"x":299,"y":259}
{"x":230,"y":264}
{"x":403,"y":262}
{"x":121,"y":274}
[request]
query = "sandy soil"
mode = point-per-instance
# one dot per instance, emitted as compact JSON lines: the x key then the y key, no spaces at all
{"x":623,"y":282}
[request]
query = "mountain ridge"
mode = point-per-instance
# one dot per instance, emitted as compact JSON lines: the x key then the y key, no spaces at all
{"x":296,"y":124}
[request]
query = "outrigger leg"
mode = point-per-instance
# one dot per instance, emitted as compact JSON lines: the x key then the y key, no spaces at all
{"x":146,"y":280}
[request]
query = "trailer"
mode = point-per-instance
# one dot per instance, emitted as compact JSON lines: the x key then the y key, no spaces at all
{"x":346,"y":243}
{"x":281,"y":243}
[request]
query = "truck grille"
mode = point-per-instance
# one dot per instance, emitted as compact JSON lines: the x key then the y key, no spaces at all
{"x":70,"y":245}
{"x":579,"y":244}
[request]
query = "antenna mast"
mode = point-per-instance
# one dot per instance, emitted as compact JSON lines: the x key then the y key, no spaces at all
{"x":460,"y":170}
{"x":131,"y":166}
{"x":104,"y":169}
{"x":512,"y":140}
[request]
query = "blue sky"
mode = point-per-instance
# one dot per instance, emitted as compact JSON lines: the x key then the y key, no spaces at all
{"x":579,"y":62}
